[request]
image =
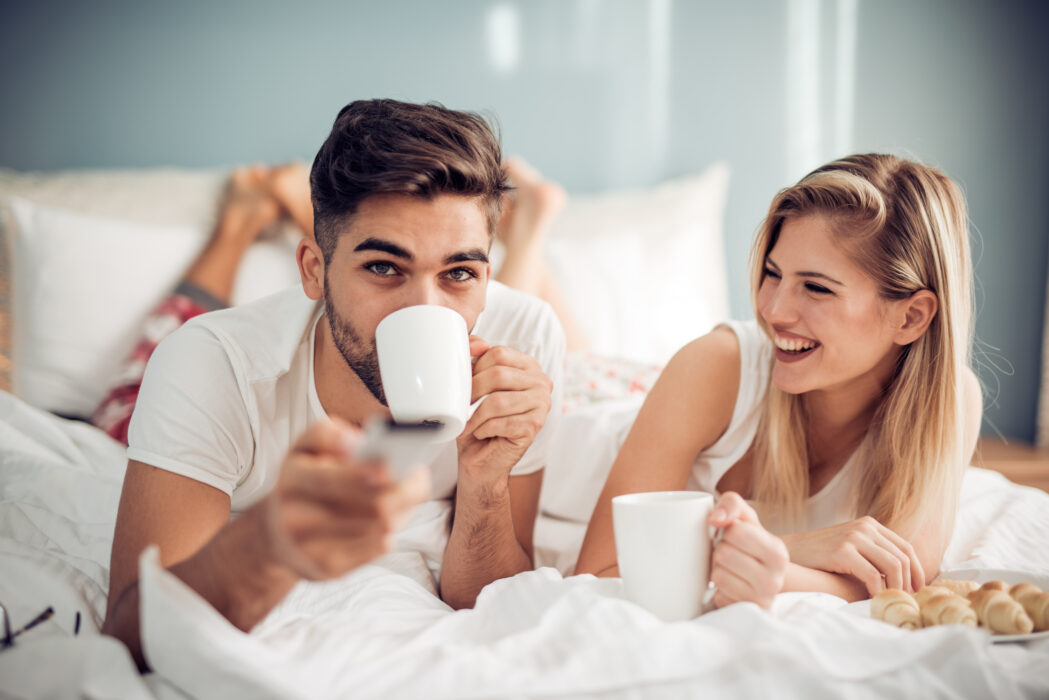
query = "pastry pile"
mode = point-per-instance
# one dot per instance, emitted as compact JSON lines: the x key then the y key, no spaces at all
{"x":995,"y":605}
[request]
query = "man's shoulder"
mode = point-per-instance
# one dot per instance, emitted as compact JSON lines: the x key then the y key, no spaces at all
{"x":265,"y":333}
{"x":512,"y":309}
{"x":521,"y":321}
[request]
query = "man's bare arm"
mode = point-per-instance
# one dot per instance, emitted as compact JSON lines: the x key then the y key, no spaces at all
{"x":491,"y":535}
{"x":189,"y":522}
{"x":326,"y":515}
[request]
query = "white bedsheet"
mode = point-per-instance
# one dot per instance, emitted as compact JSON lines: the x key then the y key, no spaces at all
{"x":380,"y":632}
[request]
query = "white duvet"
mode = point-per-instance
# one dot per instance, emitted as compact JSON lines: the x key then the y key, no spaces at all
{"x":381,"y":633}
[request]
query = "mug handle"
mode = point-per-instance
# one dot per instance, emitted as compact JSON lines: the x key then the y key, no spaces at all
{"x":708,"y":595}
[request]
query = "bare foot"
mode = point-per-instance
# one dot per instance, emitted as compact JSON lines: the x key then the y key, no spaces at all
{"x":290,"y":186}
{"x":248,"y":207}
{"x":530,"y":208}
{"x":247,"y":210}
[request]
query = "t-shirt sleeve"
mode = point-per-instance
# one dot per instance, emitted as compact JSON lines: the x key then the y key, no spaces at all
{"x":548,"y":347}
{"x":190,"y":417}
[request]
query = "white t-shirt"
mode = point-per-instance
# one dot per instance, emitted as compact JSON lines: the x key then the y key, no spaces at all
{"x":225,"y":396}
{"x":833,"y":504}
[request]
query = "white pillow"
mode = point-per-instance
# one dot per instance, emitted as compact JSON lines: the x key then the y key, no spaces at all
{"x":81,"y":286}
{"x":643,"y":271}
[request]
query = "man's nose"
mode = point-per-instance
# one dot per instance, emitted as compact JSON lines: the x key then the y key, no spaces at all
{"x":423,"y":292}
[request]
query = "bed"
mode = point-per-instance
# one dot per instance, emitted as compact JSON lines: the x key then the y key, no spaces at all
{"x":380,"y":631}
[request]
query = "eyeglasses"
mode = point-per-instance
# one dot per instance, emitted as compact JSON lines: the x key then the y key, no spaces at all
{"x":8,"y":639}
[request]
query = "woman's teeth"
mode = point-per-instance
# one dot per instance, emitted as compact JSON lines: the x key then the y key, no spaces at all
{"x":791,"y":345}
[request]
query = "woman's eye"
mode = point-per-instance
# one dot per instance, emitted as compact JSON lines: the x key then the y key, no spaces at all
{"x":461,"y":274}
{"x":818,"y":289}
{"x":383,"y":269}
{"x":769,"y":272}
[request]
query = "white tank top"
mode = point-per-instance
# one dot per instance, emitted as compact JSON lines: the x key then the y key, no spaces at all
{"x":833,"y":504}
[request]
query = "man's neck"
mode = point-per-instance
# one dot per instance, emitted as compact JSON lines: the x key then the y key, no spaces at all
{"x":341,"y":392}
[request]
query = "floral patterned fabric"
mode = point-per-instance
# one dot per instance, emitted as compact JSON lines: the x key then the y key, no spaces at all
{"x":114,"y":413}
{"x":590,"y":378}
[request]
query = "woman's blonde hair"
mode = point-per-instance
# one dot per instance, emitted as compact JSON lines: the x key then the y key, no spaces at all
{"x":905,"y":224}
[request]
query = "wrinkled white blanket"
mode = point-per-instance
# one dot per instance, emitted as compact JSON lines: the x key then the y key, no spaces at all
{"x":380,"y":632}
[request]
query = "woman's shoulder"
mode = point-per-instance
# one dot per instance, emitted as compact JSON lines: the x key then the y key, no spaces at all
{"x":703,"y":377}
{"x":732,"y":346}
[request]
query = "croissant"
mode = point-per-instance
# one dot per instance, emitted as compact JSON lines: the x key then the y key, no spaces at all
{"x":962,"y":588}
{"x":929,"y":591}
{"x":995,"y":586}
{"x":1035,"y":602}
{"x":897,"y":608}
{"x":947,"y":609}
{"x":999,"y":613}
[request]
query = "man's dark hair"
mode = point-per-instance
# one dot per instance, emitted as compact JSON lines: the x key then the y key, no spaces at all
{"x":391,"y":147}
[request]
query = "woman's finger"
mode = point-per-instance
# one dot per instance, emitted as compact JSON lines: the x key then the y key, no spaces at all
{"x":917,"y":573}
{"x":866,"y":572}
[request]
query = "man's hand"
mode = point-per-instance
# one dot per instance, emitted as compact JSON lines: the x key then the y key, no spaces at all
{"x":516,"y":401}
{"x":330,"y":513}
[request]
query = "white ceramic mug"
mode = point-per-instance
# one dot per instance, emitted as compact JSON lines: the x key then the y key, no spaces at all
{"x":424,"y":362}
{"x":663,"y":545}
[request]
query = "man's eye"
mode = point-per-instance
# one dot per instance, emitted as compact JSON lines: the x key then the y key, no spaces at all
{"x":383,"y":269}
{"x":461,"y":274}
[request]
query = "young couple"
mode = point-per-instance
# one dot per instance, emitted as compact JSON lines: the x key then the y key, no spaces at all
{"x":845,"y":414}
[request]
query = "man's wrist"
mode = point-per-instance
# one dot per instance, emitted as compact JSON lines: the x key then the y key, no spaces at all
{"x":483,"y":485}
{"x":246,"y":576}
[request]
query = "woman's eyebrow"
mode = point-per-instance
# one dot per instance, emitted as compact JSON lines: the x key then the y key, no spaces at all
{"x":818,"y":275}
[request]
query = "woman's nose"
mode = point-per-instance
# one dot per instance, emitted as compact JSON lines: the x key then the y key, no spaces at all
{"x":780,"y":305}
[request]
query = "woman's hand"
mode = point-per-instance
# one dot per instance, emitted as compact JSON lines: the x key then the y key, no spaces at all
{"x":749,"y":563}
{"x":862,"y":548}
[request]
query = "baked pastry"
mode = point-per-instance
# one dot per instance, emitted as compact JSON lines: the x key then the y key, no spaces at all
{"x":897,"y":608}
{"x":999,"y":613}
{"x":1035,"y":602}
{"x":946,"y":608}
{"x":995,"y":586}
{"x":962,"y":588}
{"x":928,"y":592}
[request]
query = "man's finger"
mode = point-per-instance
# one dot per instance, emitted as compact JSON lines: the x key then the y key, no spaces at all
{"x":502,"y":378}
{"x":332,"y":436}
{"x":503,"y":355}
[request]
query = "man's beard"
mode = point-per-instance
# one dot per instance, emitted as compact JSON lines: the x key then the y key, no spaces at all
{"x":360,"y":357}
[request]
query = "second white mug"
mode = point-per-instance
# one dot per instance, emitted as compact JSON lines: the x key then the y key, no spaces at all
{"x":663,"y":545}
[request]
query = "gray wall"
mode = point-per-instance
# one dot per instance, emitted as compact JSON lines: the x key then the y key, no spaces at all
{"x":599,"y":94}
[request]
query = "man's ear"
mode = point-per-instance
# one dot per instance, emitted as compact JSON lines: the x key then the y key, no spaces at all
{"x":311,"y":267}
{"x":917,"y":312}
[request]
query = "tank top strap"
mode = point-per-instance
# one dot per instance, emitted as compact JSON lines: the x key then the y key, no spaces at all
{"x":755,"y":352}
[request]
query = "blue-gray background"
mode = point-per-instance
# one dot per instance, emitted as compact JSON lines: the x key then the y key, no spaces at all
{"x":599,"y":94}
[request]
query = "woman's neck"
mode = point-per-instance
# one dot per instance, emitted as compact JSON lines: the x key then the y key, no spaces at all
{"x":840,"y":417}
{"x":838,"y":421}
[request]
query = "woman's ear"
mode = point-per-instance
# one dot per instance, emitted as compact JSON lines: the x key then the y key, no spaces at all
{"x":311,"y":267}
{"x":917,"y":312}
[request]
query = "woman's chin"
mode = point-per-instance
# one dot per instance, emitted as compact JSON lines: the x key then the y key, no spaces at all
{"x":788,"y":384}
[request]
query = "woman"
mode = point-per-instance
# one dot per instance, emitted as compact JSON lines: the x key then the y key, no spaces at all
{"x":846,"y":413}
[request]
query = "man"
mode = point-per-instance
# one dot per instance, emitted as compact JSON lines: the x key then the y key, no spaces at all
{"x":255,"y":411}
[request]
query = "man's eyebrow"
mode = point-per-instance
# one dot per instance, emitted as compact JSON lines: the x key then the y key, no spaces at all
{"x":474,"y":254}
{"x":817,"y":275}
{"x":383,"y":247}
